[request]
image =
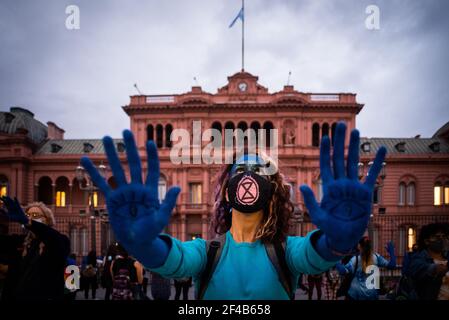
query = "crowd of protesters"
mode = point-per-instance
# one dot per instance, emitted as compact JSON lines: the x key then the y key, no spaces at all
{"x":33,"y":264}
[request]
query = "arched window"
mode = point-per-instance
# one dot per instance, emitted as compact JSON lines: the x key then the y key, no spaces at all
{"x":268,"y":126}
{"x":217,"y":126}
{"x":229,"y":125}
{"x":168,"y":131}
{"x":150,"y":132}
{"x":3,"y":185}
{"x":437,"y":194}
{"x":411,"y":191}
{"x":401,"y":200}
{"x":62,"y":190}
{"x":315,"y":135}
{"x":93,"y":199}
{"x":159,"y":132}
{"x":255,"y":126}
{"x":242,"y":125}
{"x":325,"y":130}
{"x":45,"y":190}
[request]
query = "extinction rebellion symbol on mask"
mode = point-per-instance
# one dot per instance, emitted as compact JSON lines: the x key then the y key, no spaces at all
{"x":247,"y":191}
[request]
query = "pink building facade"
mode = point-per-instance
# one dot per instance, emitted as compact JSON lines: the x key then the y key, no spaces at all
{"x":37,"y":163}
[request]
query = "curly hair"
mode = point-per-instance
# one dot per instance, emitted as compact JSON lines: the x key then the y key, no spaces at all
{"x":430,"y":230}
{"x":276,"y":217}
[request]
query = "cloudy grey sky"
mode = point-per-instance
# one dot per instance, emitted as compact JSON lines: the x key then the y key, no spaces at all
{"x":80,"y":78}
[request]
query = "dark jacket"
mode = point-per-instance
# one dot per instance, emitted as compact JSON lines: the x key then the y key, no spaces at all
{"x":422,"y":271}
{"x":37,"y":276}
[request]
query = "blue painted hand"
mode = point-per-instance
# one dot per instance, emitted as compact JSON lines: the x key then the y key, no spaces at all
{"x":13,"y":210}
{"x":345,"y":209}
{"x":135,"y":213}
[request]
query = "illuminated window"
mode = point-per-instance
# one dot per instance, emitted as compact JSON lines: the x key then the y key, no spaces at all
{"x":3,"y":191}
{"x":95,"y":198}
{"x":60,"y":199}
{"x":401,"y":201}
{"x":195,"y":193}
{"x":411,"y":238}
{"x":437,"y":190}
{"x":446,"y":193}
{"x":411,"y":194}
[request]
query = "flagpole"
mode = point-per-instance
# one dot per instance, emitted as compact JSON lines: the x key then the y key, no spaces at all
{"x":243,"y":36}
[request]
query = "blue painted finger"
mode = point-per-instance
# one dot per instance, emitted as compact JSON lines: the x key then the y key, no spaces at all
{"x":167,"y":206}
{"x":114,"y":161}
{"x":338,"y":155}
{"x":376,"y":167}
{"x":325,"y":160}
{"x":97,"y":179}
{"x":311,"y":204}
{"x":153,"y":174}
{"x":353,"y":155}
{"x":135,"y":166}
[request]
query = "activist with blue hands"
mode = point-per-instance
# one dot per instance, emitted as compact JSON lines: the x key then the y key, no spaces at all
{"x":252,"y":209}
{"x":363,"y":268}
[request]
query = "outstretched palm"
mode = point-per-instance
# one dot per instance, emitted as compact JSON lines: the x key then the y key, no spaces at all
{"x":135,"y":213}
{"x":345,"y":209}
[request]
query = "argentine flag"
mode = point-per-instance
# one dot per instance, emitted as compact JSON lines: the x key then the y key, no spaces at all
{"x":239,"y":16}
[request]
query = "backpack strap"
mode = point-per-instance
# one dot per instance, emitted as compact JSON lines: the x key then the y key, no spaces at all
{"x":214,"y":248}
{"x":276,"y":253}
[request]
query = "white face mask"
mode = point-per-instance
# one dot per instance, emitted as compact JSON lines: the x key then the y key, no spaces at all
{"x":41,"y":220}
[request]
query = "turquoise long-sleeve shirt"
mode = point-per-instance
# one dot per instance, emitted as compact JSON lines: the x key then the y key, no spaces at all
{"x":244,"y":271}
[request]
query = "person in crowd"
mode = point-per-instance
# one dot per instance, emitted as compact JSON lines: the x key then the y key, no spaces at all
{"x":315,"y":281}
{"x":160,"y":287}
{"x":301,"y":283}
{"x":183,"y":285}
{"x":331,"y":283}
{"x":89,"y":275}
{"x":407,"y":258}
{"x":36,"y":267}
{"x":428,"y":268}
{"x":137,"y":286}
{"x":361,"y":266}
{"x":106,"y":276}
{"x":124,"y":275}
{"x":252,"y":213}
{"x":145,"y":284}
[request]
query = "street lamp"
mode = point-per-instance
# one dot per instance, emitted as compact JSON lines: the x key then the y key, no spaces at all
{"x":90,"y":190}
{"x":382,"y":176}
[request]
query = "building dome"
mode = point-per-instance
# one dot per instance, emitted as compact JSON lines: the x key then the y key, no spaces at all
{"x":22,"y":120}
